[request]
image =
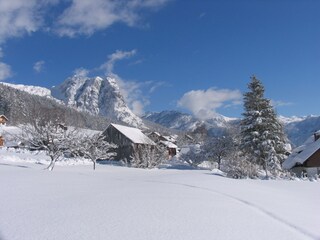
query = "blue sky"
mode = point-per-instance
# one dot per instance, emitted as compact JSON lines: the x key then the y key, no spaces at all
{"x":194,"y":56}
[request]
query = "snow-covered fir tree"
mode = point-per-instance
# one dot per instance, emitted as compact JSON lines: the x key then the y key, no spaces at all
{"x":262,"y":136}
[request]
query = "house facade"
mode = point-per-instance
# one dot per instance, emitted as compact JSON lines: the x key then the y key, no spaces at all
{"x":171,"y":148}
{"x":305,"y":160}
{"x":129,"y":140}
{"x":3,"y":120}
{"x":1,"y":141}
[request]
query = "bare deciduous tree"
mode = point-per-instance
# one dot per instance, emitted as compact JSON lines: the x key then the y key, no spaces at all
{"x":93,"y":147}
{"x":218,"y":148}
{"x":147,"y":156}
{"x":48,"y":136}
{"x":47,"y":132}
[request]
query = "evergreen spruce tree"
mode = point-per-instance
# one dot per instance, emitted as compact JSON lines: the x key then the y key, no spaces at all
{"x":262,"y":136}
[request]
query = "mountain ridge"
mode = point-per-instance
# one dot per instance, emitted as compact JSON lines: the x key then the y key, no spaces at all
{"x":102,"y":97}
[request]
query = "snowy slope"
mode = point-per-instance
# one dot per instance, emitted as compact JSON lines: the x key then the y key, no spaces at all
{"x":34,"y":90}
{"x":98,"y":96}
{"x":75,"y":203}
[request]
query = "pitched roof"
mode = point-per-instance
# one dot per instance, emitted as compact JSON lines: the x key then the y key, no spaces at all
{"x":301,"y":154}
{"x":134,"y":134}
{"x":4,"y":117}
{"x":169,"y":144}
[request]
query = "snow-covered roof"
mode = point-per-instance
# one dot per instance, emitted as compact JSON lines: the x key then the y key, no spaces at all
{"x":156,"y":133}
{"x":301,"y":154}
{"x":169,"y":144}
{"x":3,"y":116}
{"x":134,"y":134}
{"x":168,"y":138}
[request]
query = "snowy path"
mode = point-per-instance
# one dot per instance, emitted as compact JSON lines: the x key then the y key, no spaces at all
{"x":73,"y":202}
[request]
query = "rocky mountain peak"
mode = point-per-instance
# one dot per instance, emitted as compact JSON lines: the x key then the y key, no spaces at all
{"x":98,"y":96}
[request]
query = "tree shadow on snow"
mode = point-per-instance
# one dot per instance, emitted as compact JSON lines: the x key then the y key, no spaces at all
{"x":178,"y":167}
{"x":12,"y":165}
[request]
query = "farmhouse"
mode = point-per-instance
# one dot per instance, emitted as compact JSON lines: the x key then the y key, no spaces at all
{"x":306,"y":158}
{"x":171,"y":148}
{"x":165,"y":141}
{"x":3,"y":120}
{"x":129,"y":140}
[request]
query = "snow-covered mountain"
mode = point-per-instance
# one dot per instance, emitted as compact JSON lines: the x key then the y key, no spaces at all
{"x":98,"y":96}
{"x":34,"y":90}
{"x":174,"y":120}
{"x":187,"y":122}
{"x":287,"y":120}
{"x":298,"y":129}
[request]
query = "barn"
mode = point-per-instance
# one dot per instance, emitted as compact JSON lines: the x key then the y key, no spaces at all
{"x":128,"y":139}
{"x":306,"y":158}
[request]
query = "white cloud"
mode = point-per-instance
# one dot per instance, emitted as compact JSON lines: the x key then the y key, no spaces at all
{"x":19,"y":17}
{"x":204,"y":103}
{"x":114,"y":57}
{"x":5,"y":71}
{"x":84,"y":17}
{"x":79,"y":17}
{"x":156,"y":85}
{"x":81,"y":72}
{"x":38,"y":66}
{"x":279,"y":103}
{"x":131,"y":90}
{"x":132,"y":93}
{"x":202,"y":15}
{"x":138,"y":107}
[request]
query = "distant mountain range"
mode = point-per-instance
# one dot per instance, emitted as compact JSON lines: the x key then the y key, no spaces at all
{"x":298,"y":129}
{"x":99,"y":96}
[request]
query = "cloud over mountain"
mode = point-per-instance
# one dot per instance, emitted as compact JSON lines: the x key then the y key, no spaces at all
{"x":204,"y":103}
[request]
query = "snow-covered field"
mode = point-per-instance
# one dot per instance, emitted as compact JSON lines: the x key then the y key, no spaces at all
{"x":75,"y":202}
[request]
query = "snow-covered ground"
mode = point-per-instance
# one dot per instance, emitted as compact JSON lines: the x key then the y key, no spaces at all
{"x":75,"y":202}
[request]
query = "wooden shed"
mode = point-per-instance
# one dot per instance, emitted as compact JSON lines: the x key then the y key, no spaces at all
{"x":3,"y":120}
{"x":306,"y":158}
{"x":128,"y":139}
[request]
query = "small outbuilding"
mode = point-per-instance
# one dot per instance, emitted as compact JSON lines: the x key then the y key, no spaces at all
{"x":129,"y":140}
{"x":3,"y":120}
{"x":305,"y":159}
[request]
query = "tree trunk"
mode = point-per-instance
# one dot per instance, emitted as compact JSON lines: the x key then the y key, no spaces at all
{"x":52,"y":162}
{"x":94,"y":165}
{"x":266,"y":169}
